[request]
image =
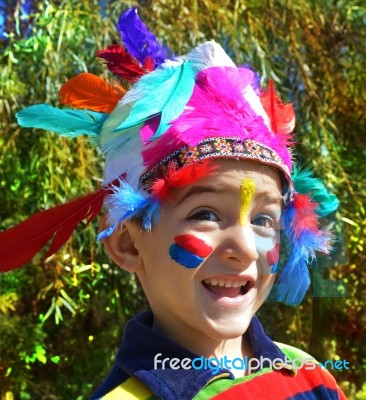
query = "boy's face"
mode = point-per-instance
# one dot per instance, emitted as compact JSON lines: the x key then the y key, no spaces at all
{"x":211,"y":281}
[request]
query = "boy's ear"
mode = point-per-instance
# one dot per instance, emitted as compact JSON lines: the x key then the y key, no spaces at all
{"x":120,"y":247}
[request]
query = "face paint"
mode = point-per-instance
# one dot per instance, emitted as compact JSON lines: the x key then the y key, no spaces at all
{"x":247,"y":190}
{"x":267,"y":242}
{"x":194,"y":245}
{"x":273,"y":257}
{"x":189,"y":251}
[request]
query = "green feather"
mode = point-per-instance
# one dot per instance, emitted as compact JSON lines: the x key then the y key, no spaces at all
{"x":305,"y":182}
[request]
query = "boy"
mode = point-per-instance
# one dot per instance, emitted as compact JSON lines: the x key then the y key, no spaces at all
{"x":198,"y":184}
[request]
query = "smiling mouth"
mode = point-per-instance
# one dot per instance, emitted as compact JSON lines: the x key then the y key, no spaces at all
{"x":230,"y":289}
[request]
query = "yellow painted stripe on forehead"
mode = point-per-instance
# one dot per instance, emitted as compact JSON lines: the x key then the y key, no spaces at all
{"x":247,"y":189}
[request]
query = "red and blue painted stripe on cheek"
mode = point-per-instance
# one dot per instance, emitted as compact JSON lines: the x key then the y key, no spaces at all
{"x":189,"y":250}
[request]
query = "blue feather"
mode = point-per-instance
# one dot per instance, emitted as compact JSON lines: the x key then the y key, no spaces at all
{"x":107,"y":232}
{"x":126,"y":203}
{"x":164,"y":91}
{"x":150,"y":215}
{"x":138,"y":40}
{"x":294,"y":280}
{"x":305,"y":182}
{"x":65,"y":122}
{"x":3,"y":20}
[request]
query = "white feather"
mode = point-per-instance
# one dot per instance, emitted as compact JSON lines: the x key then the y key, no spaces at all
{"x":122,"y":148}
{"x":125,"y":159}
{"x":208,"y":54}
{"x":253,"y":100}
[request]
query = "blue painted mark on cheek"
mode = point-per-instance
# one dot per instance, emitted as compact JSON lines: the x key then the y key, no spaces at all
{"x":274,"y":268}
{"x":184,"y":257}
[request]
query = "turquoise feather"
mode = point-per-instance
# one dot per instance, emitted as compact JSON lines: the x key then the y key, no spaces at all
{"x":304,"y":182}
{"x":165,"y":91}
{"x":66,"y":122}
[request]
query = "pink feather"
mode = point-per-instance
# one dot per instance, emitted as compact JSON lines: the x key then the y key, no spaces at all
{"x":217,"y":107}
{"x":150,"y":127}
{"x":158,"y":149}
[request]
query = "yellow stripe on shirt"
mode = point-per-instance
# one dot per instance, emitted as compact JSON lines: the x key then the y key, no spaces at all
{"x":131,"y":389}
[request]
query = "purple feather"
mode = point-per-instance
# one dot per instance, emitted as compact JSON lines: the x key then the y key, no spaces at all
{"x":256,"y":79}
{"x":139,"y":41}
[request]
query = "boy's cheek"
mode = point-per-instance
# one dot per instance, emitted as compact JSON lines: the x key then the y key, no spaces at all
{"x":189,"y":250}
{"x":269,"y":253}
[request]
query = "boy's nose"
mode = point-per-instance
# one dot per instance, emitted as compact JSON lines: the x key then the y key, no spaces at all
{"x":239,"y":245}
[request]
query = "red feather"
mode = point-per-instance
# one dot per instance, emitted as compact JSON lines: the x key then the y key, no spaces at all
{"x":174,"y":178}
{"x":305,"y":217}
{"x":149,"y":64}
{"x":19,"y":244}
{"x":272,"y":113}
{"x":121,"y":63}
{"x":282,"y":116}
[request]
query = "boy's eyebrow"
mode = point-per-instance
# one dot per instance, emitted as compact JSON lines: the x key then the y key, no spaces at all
{"x":197,"y":190}
{"x":272,"y":199}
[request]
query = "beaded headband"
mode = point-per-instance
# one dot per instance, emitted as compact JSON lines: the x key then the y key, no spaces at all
{"x":215,"y":147}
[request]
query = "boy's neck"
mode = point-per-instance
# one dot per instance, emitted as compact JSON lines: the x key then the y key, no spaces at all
{"x":203,"y":345}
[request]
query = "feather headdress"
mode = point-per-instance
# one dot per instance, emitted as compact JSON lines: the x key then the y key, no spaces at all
{"x":161,"y":133}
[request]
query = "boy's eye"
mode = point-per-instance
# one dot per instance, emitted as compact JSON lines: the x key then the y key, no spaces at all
{"x":204,"y":215}
{"x":264,"y":221}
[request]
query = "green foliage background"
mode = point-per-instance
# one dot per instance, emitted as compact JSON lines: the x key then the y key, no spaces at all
{"x":62,"y":321}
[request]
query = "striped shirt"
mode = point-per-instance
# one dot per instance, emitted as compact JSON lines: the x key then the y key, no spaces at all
{"x":133,"y":376}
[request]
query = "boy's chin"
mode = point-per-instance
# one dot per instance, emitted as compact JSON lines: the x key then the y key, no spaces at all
{"x":230,"y":328}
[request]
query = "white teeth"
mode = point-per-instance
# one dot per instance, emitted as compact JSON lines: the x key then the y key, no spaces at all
{"x":225,"y":283}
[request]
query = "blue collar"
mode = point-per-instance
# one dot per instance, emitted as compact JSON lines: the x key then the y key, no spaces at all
{"x":141,"y":344}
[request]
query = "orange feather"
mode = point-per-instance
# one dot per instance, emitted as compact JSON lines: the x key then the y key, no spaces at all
{"x":90,"y":92}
